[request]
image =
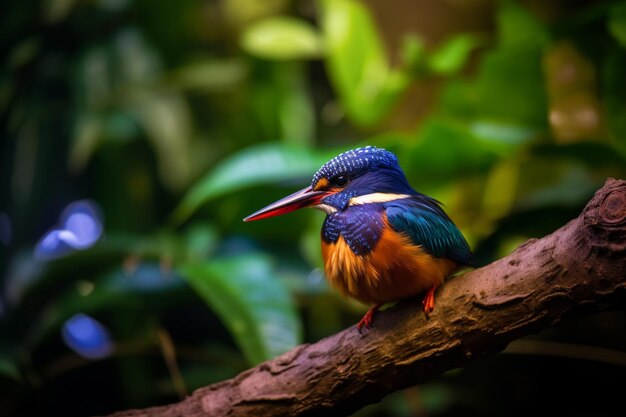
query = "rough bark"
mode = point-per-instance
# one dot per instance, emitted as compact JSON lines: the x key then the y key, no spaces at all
{"x":579,"y":268}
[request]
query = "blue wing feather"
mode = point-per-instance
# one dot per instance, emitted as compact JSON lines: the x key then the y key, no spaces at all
{"x":423,"y":220}
{"x":360,"y":226}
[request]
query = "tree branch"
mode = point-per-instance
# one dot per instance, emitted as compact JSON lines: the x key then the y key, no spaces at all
{"x":578,"y":268}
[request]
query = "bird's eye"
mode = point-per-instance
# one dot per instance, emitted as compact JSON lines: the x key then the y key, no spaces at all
{"x":340,"y":181}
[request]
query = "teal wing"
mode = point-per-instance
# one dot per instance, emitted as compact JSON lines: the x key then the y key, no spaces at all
{"x":428,"y":226}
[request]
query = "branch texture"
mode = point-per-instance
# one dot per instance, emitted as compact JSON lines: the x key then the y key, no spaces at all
{"x":578,"y":268}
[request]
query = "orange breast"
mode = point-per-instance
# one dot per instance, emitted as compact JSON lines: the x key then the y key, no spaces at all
{"x":393,"y":270}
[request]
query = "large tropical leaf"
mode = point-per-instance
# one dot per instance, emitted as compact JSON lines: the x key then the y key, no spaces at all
{"x":251,"y":301}
{"x":257,"y":165}
{"x":357,"y":62}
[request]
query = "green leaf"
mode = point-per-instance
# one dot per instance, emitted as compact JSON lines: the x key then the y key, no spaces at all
{"x":617,"y":22}
{"x":450,"y":57}
{"x":459,"y":99}
{"x":282,"y":37}
{"x":448,"y":149}
{"x":251,"y":301}
{"x":88,"y":132}
{"x":166,"y":120}
{"x":502,"y":133}
{"x":262,"y":164}
{"x":282,"y":105}
{"x":413,"y":53}
{"x":510,"y":87}
{"x":357,"y":62}
{"x":518,"y":27}
{"x":296,"y":111}
{"x":209,"y":75}
{"x":55,"y":11}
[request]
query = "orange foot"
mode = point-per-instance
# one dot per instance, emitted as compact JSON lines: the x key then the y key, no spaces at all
{"x":368,"y":318}
{"x":428,"y":303}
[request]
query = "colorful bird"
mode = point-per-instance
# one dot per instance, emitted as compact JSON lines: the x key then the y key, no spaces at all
{"x":382,"y":241}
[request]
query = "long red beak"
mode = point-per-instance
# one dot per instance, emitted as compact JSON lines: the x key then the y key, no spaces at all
{"x":300,"y":199}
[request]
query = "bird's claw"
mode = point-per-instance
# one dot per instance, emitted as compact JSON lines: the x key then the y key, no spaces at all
{"x":366,"y":321}
{"x":428,"y":303}
{"x":368,"y":318}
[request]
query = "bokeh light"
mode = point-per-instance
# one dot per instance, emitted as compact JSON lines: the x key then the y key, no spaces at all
{"x":80,"y":228}
{"x":87,"y":337}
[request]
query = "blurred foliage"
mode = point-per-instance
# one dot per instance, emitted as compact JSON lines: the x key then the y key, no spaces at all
{"x":178,"y":119}
{"x":255,"y":307}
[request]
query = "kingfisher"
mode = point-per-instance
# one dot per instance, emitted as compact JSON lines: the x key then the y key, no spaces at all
{"x":382,"y":241}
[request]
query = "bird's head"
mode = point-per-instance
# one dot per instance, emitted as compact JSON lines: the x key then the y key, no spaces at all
{"x":358,"y":176}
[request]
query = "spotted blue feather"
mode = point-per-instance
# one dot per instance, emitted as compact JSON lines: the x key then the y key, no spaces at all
{"x":356,"y":162}
{"x":360,"y":226}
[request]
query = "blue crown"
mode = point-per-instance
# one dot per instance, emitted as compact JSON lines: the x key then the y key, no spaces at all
{"x":356,"y":162}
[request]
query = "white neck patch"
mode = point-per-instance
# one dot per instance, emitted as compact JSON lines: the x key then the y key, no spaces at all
{"x":376,"y":198}
{"x":326,"y":208}
{"x":364,"y":199}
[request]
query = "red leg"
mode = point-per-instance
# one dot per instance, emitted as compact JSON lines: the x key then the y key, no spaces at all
{"x":428,"y":303}
{"x":368,"y":318}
